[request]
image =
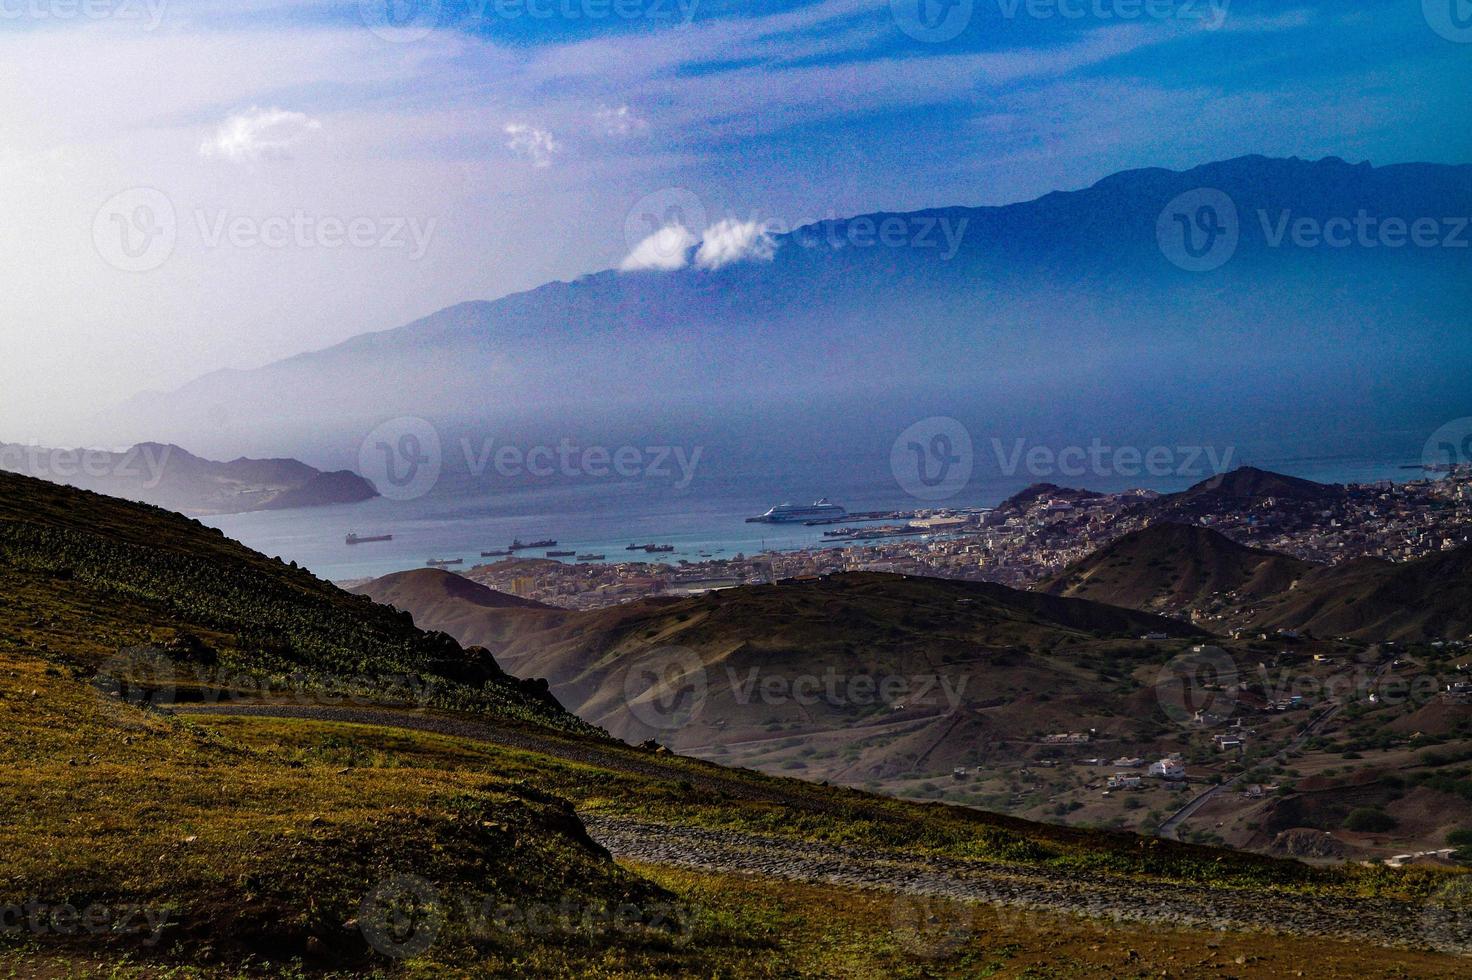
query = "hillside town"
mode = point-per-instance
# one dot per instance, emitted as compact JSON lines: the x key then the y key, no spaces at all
{"x":1035,"y":535}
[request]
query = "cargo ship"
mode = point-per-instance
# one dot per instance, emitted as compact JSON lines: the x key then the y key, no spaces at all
{"x":443,"y":562}
{"x":354,"y":538}
{"x":591,"y":557}
{"x":496,"y":554}
{"x":561,"y":554}
{"x":518,"y":546}
{"x":821,"y":509}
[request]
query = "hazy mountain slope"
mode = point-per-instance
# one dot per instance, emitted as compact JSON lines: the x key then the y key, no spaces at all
{"x":170,"y":477}
{"x":1172,"y":568}
{"x":1075,"y":280}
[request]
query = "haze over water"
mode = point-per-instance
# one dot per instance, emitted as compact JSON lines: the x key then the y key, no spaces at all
{"x":464,"y":516}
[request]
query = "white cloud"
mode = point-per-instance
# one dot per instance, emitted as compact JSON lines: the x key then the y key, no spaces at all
{"x":666,"y":250}
{"x":259,"y":134}
{"x":537,"y":145}
{"x":621,"y":121}
{"x":723,"y":243}
{"x":735,"y":241}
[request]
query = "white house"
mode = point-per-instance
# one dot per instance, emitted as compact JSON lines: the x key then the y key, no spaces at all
{"x":1169,"y":769}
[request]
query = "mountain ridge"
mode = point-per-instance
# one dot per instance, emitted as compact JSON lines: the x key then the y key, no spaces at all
{"x":1073,"y":276}
{"x":169,"y":476}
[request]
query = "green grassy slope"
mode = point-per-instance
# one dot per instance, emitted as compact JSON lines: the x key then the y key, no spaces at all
{"x":214,"y":844}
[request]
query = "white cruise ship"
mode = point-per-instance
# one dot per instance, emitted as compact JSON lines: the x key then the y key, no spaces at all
{"x":818,"y":510}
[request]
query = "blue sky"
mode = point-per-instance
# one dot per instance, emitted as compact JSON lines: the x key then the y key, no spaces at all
{"x":523,"y":139}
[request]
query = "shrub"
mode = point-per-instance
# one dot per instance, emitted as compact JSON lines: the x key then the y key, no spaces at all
{"x":1368,"y":820}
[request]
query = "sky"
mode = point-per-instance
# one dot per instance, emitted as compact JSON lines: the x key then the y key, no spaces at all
{"x":190,"y":185}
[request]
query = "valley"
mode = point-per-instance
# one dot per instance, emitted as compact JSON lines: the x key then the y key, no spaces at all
{"x":280,"y":785}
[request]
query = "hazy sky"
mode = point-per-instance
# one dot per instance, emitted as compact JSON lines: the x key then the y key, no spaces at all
{"x":186,"y":186}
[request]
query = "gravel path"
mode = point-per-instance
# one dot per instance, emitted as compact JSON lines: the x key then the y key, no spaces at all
{"x":1378,"y":922}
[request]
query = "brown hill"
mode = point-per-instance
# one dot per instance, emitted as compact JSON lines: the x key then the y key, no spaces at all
{"x":1173,"y":568}
{"x":1250,"y":483}
{"x":468,"y":611}
{"x":849,"y":677}
{"x":1426,"y":599}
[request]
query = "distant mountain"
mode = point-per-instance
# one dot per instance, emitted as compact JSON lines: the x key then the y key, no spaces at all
{"x":1031,"y":496}
{"x":173,"y":478}
{"x":969,"y":300}
{"x":1172,"y":569}
{"x":1249,"y":485}
{"x":1369,"y":599}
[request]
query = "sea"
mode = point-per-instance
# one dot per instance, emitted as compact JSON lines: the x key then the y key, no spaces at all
{"x":704,"y":516}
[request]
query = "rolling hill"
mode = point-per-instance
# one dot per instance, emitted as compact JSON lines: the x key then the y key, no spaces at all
{"x":1173,"y":569}
{"x":967,"y":664}
{"x":1419,"y":601}
{"x":1243,"y":489}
